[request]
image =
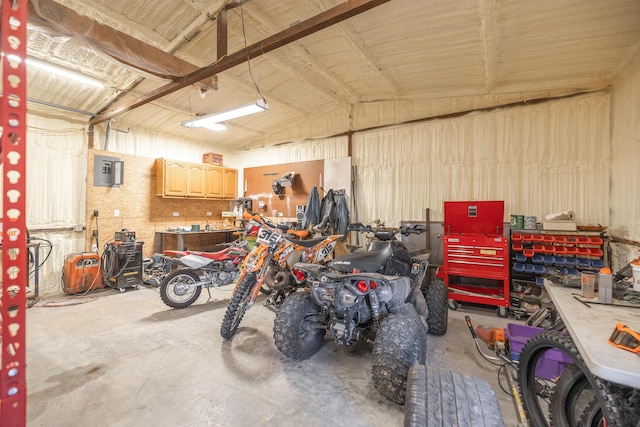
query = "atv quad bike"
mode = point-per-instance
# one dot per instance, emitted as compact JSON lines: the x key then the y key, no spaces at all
{"x":374,"y":297}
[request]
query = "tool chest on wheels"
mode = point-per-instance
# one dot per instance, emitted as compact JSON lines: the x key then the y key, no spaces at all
{"x":476,"y":254}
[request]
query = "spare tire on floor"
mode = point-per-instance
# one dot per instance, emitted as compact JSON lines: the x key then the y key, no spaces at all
{"x":439,"y":398}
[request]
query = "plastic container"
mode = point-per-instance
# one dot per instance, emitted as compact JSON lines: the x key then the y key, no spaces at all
{"x":583,"y":240}
{"x":560,"y":250}
{"x":516,"y":237}
{"x":605,"y":286}
{"x":528,"y":252}
{"x":635,"y":266}
{"x":571,"y":262}
{"x":595,"y":241}
{"x":571,"y":250}
{"x":582,"y":252}
{"x":529,"y":268}
{"x":521,"y":258}
{"x":547,"y":260}
{"x":595,"y":252}
{"x":560,"y":261}
{"x":538,"y":259}
{"x":584,"y":263}
{"x":550,"y":365}
{"x":517,"y":247}
{"x":539,"y":269}
{"x":587,"y":284}
{"x":518,"y":267}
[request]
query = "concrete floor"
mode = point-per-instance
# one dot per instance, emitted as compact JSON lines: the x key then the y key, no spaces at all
{"x":114,"y":359}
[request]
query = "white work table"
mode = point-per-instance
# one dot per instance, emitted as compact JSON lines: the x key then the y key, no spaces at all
{"x":590,"y":327}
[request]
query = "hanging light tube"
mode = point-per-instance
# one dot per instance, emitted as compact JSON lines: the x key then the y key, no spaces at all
{"x":212,"y":121}
{"x":62,"y":72}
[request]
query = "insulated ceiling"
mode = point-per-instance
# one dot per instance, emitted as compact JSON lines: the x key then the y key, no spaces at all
{"x":402,"y":60}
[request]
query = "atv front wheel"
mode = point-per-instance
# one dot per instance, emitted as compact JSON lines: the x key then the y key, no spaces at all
{"x":438,"y":309}
{"x":237,"y":307}
{"x":175,"y":290}
{"x":401,"y":342}
{"x":296,"y":330}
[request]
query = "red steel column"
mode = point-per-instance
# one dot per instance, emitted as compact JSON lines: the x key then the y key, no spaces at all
{"x":13,"y":112}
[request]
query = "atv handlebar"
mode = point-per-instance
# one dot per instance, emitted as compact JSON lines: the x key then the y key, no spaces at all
{"x":387,"y":232}
{"x":283,"y":227}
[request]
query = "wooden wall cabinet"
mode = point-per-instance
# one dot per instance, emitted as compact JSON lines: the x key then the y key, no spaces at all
{"x":176,"y":178}
{"x":230,"y":183}
{"x":195,"y":180}
{"x":213,"y":176}
{"x":171,"y":178}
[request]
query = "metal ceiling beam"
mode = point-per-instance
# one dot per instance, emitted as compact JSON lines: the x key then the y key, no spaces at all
{"x":323,"y":20}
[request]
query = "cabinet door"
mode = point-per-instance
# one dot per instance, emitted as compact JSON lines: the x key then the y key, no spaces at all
{"x":195,"y":180}
{"x":175,"y":178}
{"x":230,"y":183}
{"x":213,"y":181}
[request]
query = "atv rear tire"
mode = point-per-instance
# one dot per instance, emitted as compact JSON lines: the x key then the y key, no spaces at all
{"x":174,"y":291}
{"x":436,"y":397}
{"x":437,"y":305}
{"x":296,"y":330}
{"x":400,"y":343}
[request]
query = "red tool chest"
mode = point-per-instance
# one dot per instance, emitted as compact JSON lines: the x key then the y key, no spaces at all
{"x":476,"y":254}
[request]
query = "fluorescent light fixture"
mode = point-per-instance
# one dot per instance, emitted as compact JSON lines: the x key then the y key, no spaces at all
{"x":212,"y":121}
{"x":62,"y":72}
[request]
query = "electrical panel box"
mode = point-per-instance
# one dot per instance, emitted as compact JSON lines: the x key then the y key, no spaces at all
{"x":107,"y":171}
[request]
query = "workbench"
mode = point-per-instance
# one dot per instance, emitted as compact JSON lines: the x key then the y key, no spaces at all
{"x":181,"y":235}
{"x":590,"y":327}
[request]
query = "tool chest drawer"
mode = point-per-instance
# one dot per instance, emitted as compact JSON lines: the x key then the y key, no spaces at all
{"x":477,"y":256}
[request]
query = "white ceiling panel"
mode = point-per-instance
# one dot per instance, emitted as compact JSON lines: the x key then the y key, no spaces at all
{"x":402,"y":60}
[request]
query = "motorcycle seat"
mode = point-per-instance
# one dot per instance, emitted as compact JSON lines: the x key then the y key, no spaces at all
{"x":310,"y":242}
{"x":366,"y":262}
{"x":216,"y":256}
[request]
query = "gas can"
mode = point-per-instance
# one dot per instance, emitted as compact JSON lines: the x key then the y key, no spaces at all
{"x":81,"y":273}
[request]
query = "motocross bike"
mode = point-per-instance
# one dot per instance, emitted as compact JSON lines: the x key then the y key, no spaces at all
{"x":373,"y":297}
{"x":196,"y":270}
{"x":270,"y":263}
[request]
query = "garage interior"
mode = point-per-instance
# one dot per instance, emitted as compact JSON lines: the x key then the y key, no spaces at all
{"x":508,"y":127}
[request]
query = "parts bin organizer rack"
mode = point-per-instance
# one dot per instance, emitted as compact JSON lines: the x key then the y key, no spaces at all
{"x":476,"y":254}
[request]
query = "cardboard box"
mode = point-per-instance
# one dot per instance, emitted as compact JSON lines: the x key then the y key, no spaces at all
{"x":559,"y":225}
{"x":212,"y":159}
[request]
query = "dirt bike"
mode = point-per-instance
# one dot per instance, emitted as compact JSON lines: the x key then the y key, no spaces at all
{"x":270,"y":263}
{"x":374,"y":297}
{"x":197,"y":270}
